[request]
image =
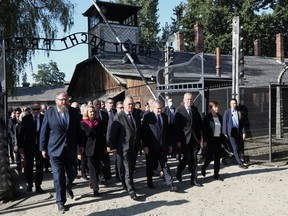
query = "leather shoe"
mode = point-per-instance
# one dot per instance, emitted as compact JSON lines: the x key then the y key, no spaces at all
{"x":178,"y":176}
{"x":203,"y":171}
{"x":242,"y":166}
{"x":151,"y":185}
{"x":224,"y":162}
{"x":29,"y":189}
{"x":195,"y":183}
{"x":217,"y":177}
{"x":61,"y":208}
{"x":173,"y":188}
{"x":133,"y":196}
{"x":70,"y":193}
{"x":40,"y":190}
{"x":96,"y":193}
{"x":85,"y":177}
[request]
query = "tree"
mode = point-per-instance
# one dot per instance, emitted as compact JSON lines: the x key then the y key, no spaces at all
{"x":24,"y":80}
{"x":147,"y":21}
{"x":48,"y":75}
{"x":26,"y":18}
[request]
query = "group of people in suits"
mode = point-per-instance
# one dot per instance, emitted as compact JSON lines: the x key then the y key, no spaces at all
{"x":62,"y":135}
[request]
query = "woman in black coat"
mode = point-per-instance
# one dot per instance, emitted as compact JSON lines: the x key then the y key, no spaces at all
{"x":94,"y":149}
{"x":212,"y":138}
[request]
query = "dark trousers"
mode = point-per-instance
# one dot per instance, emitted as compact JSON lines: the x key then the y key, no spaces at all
{"x":30,"y":154}
{"x":106,"y":165}
{"x":126,"y":166}
{"x":60,"y":165}
{"x":84,"y":164}
{"x":213,"y":148}
{"x":94,"y":163}
{"x":234,"y":139}
{"x":153,"y":158}
{"x":189,"y":158}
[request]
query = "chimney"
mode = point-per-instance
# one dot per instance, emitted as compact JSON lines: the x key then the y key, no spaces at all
{"x":257,"y":47}
{"x":180,"y":41}
{"x":218,"y":62}
{"x":280,"y":48}
{"x":199,"y":38}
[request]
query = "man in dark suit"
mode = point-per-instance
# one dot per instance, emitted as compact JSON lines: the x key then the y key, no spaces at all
{"x":156,"y":144}
{"x":234,"y":129}
{"x":169,"y":110}
{"x":123,"y":139}
{"x":29,"y":146}
{"x":188,"y":126}
{"x":59,"y":137}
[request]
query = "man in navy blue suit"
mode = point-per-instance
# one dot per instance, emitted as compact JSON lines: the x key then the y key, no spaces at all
{"x":234,"y":129}
{"x":60,"y":135}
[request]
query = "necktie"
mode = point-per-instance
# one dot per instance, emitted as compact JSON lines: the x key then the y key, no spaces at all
{"x":190,"y":113}
{"x":159,"y":122}
{"x":35,"y":122}
{"x":131,"y":120}
{"x":64,"y":121}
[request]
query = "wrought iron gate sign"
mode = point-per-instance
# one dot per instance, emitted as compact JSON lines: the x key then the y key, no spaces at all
{"x":74,"y":40}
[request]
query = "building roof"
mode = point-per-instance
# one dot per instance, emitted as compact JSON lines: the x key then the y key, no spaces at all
{"x":113,"y":11}
{"x":36,"y":93}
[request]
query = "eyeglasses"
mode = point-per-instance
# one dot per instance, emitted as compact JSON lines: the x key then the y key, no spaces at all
{"x":62,"y":99}
{"x":35,"y":109}
{"x":120,"y":107}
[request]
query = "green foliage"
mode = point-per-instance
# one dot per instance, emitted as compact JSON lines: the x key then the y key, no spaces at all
{"x":41,"y":18}
{"x":260,"y":19}
{"x":48,"y":75}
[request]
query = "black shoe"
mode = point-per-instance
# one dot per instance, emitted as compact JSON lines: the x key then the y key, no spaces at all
{"x":151,"y":185}
{"x":178,"y":176}
{"x":133,"y":196}
{"x":70,"y":193}
{"x":224,"y":162}
{"x":173,"y":188}
{"x":40,"y":190}
{"x":217,"y":177}
{"x":61,"y":208}
{"x":96,"y":193}
{"x":242,"y":166}
{"x":195,"y":183}
{"x":29,"y":189}
{"x":203,"y":171}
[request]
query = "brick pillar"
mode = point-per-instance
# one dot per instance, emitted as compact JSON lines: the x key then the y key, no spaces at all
{"x":199,"y":38}
{"x":280,"y":48}
{"x":218,"y":62}
{"x":180,"y":42}
{"x":257,"y":47}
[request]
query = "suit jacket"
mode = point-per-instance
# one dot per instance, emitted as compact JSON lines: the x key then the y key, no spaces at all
{"x":167,"y":111}
{"x":28,"y":136}
{"x":155,"y":138}
{"x":54,"y":136}
{"x":184,"y":125}
{"x":92,"y":137}
{"x":209,"y":126}
{"x":122,"y":136}
{"x":105,"y":121}
{"x":228,"y":123}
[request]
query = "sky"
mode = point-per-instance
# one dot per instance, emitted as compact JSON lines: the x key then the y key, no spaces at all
{"x":68,"y":59}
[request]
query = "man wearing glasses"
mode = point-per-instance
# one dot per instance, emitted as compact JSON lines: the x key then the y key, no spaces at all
{"x":29,"y":146}
{"x":60,"y":135}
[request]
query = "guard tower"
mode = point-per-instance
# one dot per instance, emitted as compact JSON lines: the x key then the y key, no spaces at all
{"x":123,"y":19}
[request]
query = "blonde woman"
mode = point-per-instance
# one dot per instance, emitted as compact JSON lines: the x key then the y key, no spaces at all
{"x":94,"y":150}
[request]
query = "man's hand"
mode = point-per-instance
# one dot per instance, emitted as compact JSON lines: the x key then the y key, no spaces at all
{"x":244,"y":136}
{"x":178,"y":144}
{"x":81,"y":150}
{"x":113,"y":151}
{"x":79,"y":156}
{"x":170,"y":149}
{"x":146,"y":150}
{"x":44,"y":154}
{"x":204,"y":144}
